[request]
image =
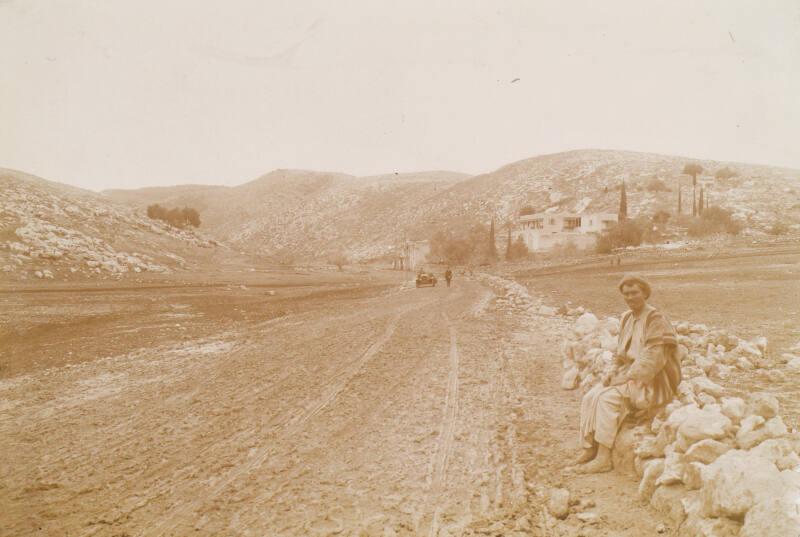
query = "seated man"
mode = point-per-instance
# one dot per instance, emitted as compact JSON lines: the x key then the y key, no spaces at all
{"x":645,"y":380}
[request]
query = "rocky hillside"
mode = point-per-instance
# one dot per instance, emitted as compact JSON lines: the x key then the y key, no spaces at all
{"x":290,"y":213}
{"x":54,"y":231}
{"x":307,"y":214}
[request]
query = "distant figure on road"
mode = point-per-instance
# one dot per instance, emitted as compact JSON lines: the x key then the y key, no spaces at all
{"x":646,"y":377}
{"x":448,"y":275}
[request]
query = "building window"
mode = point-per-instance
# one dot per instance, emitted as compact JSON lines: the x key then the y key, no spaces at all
{"x":552,"y":221}
{"x":572,"y":223}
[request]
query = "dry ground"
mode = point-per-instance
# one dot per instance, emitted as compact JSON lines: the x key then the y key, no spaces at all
{"x":370,"y":409}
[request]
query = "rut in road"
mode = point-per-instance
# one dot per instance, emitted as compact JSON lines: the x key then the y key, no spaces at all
{"x":445,"y":441}
{"x":293,"y":424}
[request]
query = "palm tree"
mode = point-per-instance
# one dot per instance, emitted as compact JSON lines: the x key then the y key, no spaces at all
{"x":700,"y":205}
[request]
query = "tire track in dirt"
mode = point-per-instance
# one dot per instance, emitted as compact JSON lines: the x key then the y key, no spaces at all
{"x":372,"y":406}
{"x":169,"y":372}
{"x":445,"y":441}
{"x":288,"y":428}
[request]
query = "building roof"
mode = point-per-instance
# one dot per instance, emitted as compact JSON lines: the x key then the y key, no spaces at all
{"x":567,"y":215}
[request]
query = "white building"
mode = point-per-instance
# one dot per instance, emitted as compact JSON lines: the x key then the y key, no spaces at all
{"x":542,"y":231}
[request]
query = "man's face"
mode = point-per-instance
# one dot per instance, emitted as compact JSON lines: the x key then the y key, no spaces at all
{"x":634,"y":296}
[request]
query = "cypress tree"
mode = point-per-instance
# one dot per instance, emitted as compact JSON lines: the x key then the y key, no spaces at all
{"x":492,"y":251}
{"x":680,"y":209}
{"x":508,"y":243}
{"x":623,"y":204}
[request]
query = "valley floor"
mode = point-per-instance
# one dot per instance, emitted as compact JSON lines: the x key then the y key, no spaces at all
{"x":397,"y":412}
{"x":369,"y":408}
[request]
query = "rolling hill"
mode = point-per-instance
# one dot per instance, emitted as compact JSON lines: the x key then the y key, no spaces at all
{"x":52,"y":231}
{"x":306,"y":214}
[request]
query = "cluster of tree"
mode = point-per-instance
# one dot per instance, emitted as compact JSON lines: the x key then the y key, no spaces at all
{"x":713,"y":220}
{"x":458,"y":246}
{"x":626,"y":232}
{"x":472,"y":244}
{"x":176,"y":217}
{"x":516,"y":250}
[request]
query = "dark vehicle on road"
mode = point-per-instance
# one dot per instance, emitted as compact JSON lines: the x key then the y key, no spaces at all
{"x":426,"y":278}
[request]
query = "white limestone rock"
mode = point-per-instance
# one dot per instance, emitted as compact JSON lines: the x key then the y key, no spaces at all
{"x":735,"y":408}
{"x":773,"y":428}
{"x":558,"y":503}
{"x":585,"y":324}
{"x":706,"y":451}
{"x":652,"y":470}
{"x":704,"y":400}
{"x":669,"y":501}
{"x":570,"y":379}
{"x":764,"y":404}
{"x":705,"y":363}
{"x":673,"y":470}
{"x":700,"y":424}
{"x":781,"y":451}
{"x":547,"y":310}
{"x":709,"y":527}
{"x":612,"y":325}
{"x":693,"y":475}
{"x":735,"y":482}
{"x":774,"y":516}
{"x":608,"y":342}
{"x":704,"y":385}
{"x":747,"y":350}
{"x":760,"y":343}
{"x":651,"y":447}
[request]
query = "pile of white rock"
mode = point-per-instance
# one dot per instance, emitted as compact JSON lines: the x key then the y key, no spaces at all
{"x":588,"y":351}
{"x":715,"y":464}
{"x":514,"y":298}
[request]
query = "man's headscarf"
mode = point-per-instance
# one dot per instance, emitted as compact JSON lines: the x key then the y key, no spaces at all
{"x":634,"y":278}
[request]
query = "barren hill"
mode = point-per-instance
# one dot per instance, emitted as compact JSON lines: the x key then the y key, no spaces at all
{"x":54,"y":231}
{"x":291,"y":213}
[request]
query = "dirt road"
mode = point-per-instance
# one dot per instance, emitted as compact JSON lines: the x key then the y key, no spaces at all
{"x":407,"y":412}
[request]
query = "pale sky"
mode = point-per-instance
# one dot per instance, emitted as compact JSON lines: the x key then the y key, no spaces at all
{"x":121,"y":94}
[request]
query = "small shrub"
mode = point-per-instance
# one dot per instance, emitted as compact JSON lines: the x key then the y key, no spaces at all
{"x":517,"y":250}
{"x":779,"y":228}
{"x":713,"y":220}
{"x":657,"y":185}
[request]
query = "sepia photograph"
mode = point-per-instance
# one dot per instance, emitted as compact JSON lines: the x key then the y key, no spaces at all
{"x":436,"y":268}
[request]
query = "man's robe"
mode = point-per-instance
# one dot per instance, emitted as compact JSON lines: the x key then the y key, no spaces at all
{"x":647,"y":380}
